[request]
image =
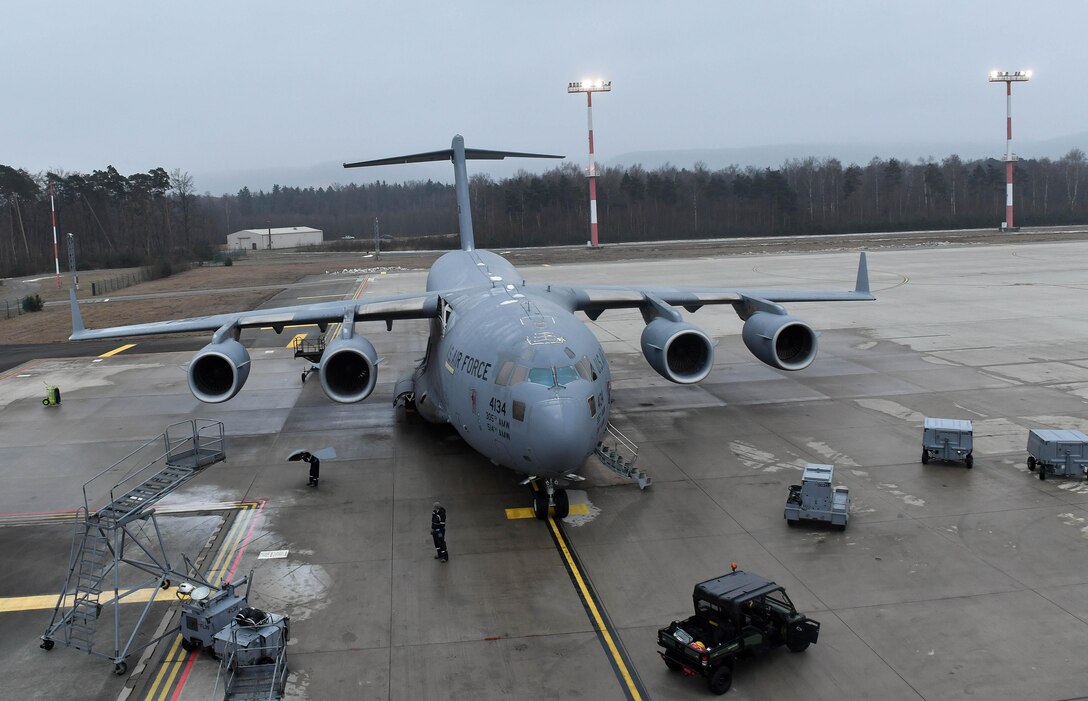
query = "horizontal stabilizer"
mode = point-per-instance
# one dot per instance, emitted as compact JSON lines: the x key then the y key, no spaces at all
{"x":446,"y":154}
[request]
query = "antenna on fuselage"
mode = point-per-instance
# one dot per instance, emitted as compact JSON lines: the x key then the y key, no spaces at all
{"x":458,"y":154}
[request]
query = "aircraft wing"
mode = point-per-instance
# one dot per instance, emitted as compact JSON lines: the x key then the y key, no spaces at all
{"x":416,"y":305}
{"x":593,"y":300}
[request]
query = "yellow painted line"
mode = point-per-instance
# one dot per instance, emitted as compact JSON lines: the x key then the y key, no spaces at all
{"x":298,"y":337}
{"x":334,"y":329}
{"x":115,"y":351}
{"x":291,"y":326}
{"x":48,"y":601}
{"x":323,"y":296}
{"x":527,"y":512}
{"x":172,"y":663}
{"x":587,"y":599}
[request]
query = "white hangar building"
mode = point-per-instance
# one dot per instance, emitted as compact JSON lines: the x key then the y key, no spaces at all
{"x":285,"y":237}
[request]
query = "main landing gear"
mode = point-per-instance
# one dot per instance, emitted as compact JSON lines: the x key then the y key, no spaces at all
{"x":550,"y":495}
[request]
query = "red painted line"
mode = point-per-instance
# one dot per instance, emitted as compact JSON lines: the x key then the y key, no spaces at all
{"x":245,"y":542}
{"x":184,"y":676}
{"x":22,"y":368}
{"x":37,"y":513}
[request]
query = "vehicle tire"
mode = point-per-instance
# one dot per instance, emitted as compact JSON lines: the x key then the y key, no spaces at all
{"x":190,"y":644}
{"x":925,"y":456}
{"x":540,"y":505}
{"x":120,"y":668}
{"x":47,"y":644}
{"x":795,"y":645}
{"x":790,"y":522}
{"x":721,"y":680}
{"x":1031,"y":463}
{"x":969,"y":461}
{"x":673,"y":665}
{"x":1042,"y":472}
{"x":562,"y":503}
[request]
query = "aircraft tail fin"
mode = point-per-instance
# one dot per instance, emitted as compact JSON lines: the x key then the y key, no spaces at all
{"x":77,"y":318}
{"x":458,"y":154}
{"x":862,"y":284}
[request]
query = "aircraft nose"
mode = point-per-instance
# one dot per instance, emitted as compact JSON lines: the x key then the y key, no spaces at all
{"x":563,"y":435}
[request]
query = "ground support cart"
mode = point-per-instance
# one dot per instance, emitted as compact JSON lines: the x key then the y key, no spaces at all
{"x":311,"y":350}
{"x":205,"y":612}
{"x":253,"y":655}
{"x":1061,"y":453}
{"x":950,"y":440}
{"x":816,"y":500}
{"x":737,"y":614}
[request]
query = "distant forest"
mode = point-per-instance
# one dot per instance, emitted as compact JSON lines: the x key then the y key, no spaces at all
{"x":145,"y":217}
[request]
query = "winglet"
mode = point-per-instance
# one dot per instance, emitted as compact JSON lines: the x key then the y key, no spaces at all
{"x":862,"y":285}
{"x":77,"y":320}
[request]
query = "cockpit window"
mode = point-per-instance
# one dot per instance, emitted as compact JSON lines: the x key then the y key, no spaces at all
{"x":585,"y":369}
{"x":507,"y":369}
{"x":541,"y":376}
{"x":565,"y":375}
{"x":520,"y":371}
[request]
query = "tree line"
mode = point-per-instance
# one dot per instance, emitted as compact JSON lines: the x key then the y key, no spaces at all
{"x":145,"y":217}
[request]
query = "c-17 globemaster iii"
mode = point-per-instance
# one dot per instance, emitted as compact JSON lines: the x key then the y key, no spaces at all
{"x":521,"y":379}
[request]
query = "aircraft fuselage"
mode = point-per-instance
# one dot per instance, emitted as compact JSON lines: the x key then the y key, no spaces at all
{"x":522,"y":380}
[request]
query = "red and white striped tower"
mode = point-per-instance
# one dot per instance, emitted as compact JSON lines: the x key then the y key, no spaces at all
{"x":589,"y":87}
{"x":1008,"y":78}
{"x":53,"y":209}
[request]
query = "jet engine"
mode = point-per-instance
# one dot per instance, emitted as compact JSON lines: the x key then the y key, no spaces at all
{"x":678,"y":351}
{"x":349,"y":369}
{"x":218,"y":371}
{"x":783,"y":342}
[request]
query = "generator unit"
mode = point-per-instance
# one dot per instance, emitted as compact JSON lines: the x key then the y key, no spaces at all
{"x":205,"y":612}
{"x":1062,"y":453}
{"x":253,"y":637}
{"x":950,"y":440}
{"x":816,"y":500}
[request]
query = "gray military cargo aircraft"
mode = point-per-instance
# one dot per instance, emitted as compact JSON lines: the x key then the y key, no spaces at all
{"x":521,"y":379}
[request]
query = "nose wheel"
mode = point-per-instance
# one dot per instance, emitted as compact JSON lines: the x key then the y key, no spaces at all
{"x":550,"y":495}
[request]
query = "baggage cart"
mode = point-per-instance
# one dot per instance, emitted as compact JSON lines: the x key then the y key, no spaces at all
{"x":950,"y":440}
{"x":1061,"y":453}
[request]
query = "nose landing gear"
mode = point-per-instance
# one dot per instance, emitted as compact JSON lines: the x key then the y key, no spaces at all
{"x":550,"y":495}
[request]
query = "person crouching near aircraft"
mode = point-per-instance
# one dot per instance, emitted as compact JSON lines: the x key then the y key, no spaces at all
{"x":438,"y":532}
{"x":315,"y":467}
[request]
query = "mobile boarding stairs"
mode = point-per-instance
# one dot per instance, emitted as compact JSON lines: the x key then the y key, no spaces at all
{"x":117,"y":549}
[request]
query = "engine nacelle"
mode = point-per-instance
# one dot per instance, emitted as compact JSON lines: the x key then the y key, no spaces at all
{"x":349,"y":369}
{"x":783,"y":342}
{"x":218,"y":371}
{"x":678,"y":351}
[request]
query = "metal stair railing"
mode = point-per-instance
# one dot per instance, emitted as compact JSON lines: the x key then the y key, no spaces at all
{"x":619,"y":453}
{"x":100,"y":550}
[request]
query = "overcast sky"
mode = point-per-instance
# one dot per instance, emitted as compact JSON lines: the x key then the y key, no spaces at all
{"x":239,"y":85}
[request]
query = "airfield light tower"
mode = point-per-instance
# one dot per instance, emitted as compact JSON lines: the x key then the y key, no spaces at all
{"x":589,"y":87}
{"x":1008,"y":78}
{"x":53,"y":211}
